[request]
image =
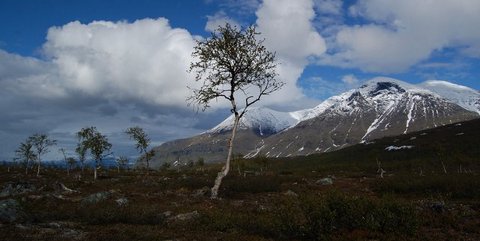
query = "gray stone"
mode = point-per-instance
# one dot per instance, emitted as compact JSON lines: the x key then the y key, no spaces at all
{"x":325,"y":181}
{"x":121,"y":202}
{"x":12,"y":189}
{"x":290,"y":193}
{"x":186,"y":216}
{"x":11,"y":211}
{"x":167,"y":214}
{"x":96,"y":198}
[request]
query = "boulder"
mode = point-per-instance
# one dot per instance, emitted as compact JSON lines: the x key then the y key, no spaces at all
{"x":11,"y":211}
{"x":17,"y":188}
{"x":121,"y":202}
{"x":186,"y":216}
{"x":325,"y":181}
{"x":96,"y":198}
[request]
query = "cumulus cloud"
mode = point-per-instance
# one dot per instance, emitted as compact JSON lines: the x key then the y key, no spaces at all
{"x":145,"y":60}
{"x":402,"y":33}
{"x":100,"y":73}
{"x":288,"y":30}
{"x":219,"y":19}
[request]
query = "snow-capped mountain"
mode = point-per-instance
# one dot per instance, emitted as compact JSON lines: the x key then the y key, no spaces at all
{"x":263,"y":121}
{"x":461,"y":95}
{"x":381,"y":107}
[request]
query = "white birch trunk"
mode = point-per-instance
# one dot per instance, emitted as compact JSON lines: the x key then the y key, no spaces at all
{"x":226,"y":168}
{"x":38,"y":167}
{"x":95,"y":172}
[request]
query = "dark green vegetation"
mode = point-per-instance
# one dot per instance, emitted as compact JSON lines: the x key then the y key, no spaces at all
{"x":429,"y":192}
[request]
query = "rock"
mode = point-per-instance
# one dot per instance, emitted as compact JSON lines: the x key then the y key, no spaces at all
{"x":121,"y":202}
{"x":186,"y":216}
{"x":325,"y":181}
{"x":438,"y":206}
{"x":201,"y":192}
{"x":167,"y":214}
{"x":96,"y":198}
{"x":60,"y":187}
{"x":12,"y":189}
{"x":11,"y":211}
{"x":290,"y":193}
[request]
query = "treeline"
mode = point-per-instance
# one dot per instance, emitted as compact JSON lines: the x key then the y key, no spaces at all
{"x":91,"y":145}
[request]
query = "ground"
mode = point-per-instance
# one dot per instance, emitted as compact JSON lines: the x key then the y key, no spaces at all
{"x":266,"y":204}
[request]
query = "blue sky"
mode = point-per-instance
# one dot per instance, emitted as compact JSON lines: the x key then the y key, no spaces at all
{"x":65,"y":65}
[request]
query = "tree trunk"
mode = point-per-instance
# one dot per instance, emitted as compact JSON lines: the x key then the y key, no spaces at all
{"x":38,"y":168}
{"x":226,"y":168}
{"x":95,"y":172}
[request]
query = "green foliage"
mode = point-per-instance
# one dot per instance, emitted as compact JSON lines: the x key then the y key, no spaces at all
{"x":232,"y":61}
{"x":315,"y":217}
{"x":142,"y":142}
{"x":91,"y":139}
{"x":25,"y":154}
{"x":122,"y":162}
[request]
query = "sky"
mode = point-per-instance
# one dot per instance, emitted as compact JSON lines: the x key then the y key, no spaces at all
{"x":68,"y":64}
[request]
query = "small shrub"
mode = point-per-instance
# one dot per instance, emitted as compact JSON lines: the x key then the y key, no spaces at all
{"x":253,"y":184}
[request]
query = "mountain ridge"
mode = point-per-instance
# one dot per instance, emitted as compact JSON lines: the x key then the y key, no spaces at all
{"x":380,"y":107}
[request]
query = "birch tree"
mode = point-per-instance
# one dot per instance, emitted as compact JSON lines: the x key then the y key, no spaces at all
{"x":138,"y":134}
{"x":41,"y":143}
{"x":233,"y":65}
{"x":90,"y":139}
{"x":25,"y":154}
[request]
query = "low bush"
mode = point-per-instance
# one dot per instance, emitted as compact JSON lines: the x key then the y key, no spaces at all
{"x":315,"y":217}
{"x":251,"y":184}
{"x":455,"y":186}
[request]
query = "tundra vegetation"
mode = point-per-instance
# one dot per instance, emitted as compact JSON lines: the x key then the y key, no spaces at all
{"x":333,"y":196}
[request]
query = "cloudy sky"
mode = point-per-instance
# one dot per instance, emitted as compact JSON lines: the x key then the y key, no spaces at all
{"x":113,"y":64}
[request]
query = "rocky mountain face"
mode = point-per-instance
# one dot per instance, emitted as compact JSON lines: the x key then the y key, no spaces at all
{"x":256,"y":125}
{"x":381,"y":107}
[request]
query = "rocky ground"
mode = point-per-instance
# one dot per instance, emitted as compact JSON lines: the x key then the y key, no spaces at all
{"x":175,"y":205}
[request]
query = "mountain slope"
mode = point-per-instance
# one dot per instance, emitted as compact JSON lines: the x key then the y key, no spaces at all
{"x":256,"y":124}
{"x":463,"y":96}
{"x":381,"y":107}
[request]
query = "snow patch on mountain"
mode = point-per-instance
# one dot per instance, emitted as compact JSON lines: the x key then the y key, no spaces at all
{"x":461,"y":95}
{"x":382,"y":93}
{"x":264,"y":120}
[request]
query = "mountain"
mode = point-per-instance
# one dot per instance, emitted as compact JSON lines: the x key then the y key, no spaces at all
{"x":381,"y":107}
{"x":257,"y":124}
{"x":463,"y":96}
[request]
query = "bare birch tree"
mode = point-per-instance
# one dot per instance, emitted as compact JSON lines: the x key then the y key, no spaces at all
{"x":234,"y":65}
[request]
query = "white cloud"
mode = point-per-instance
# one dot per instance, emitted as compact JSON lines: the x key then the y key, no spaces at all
{"x":145,"y":60}
{"x":350,"y":79}
{"x":288,"y":30}
{"x":219,"y":19}
{"x":330,"y":7}
{"x":403,"y":33}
